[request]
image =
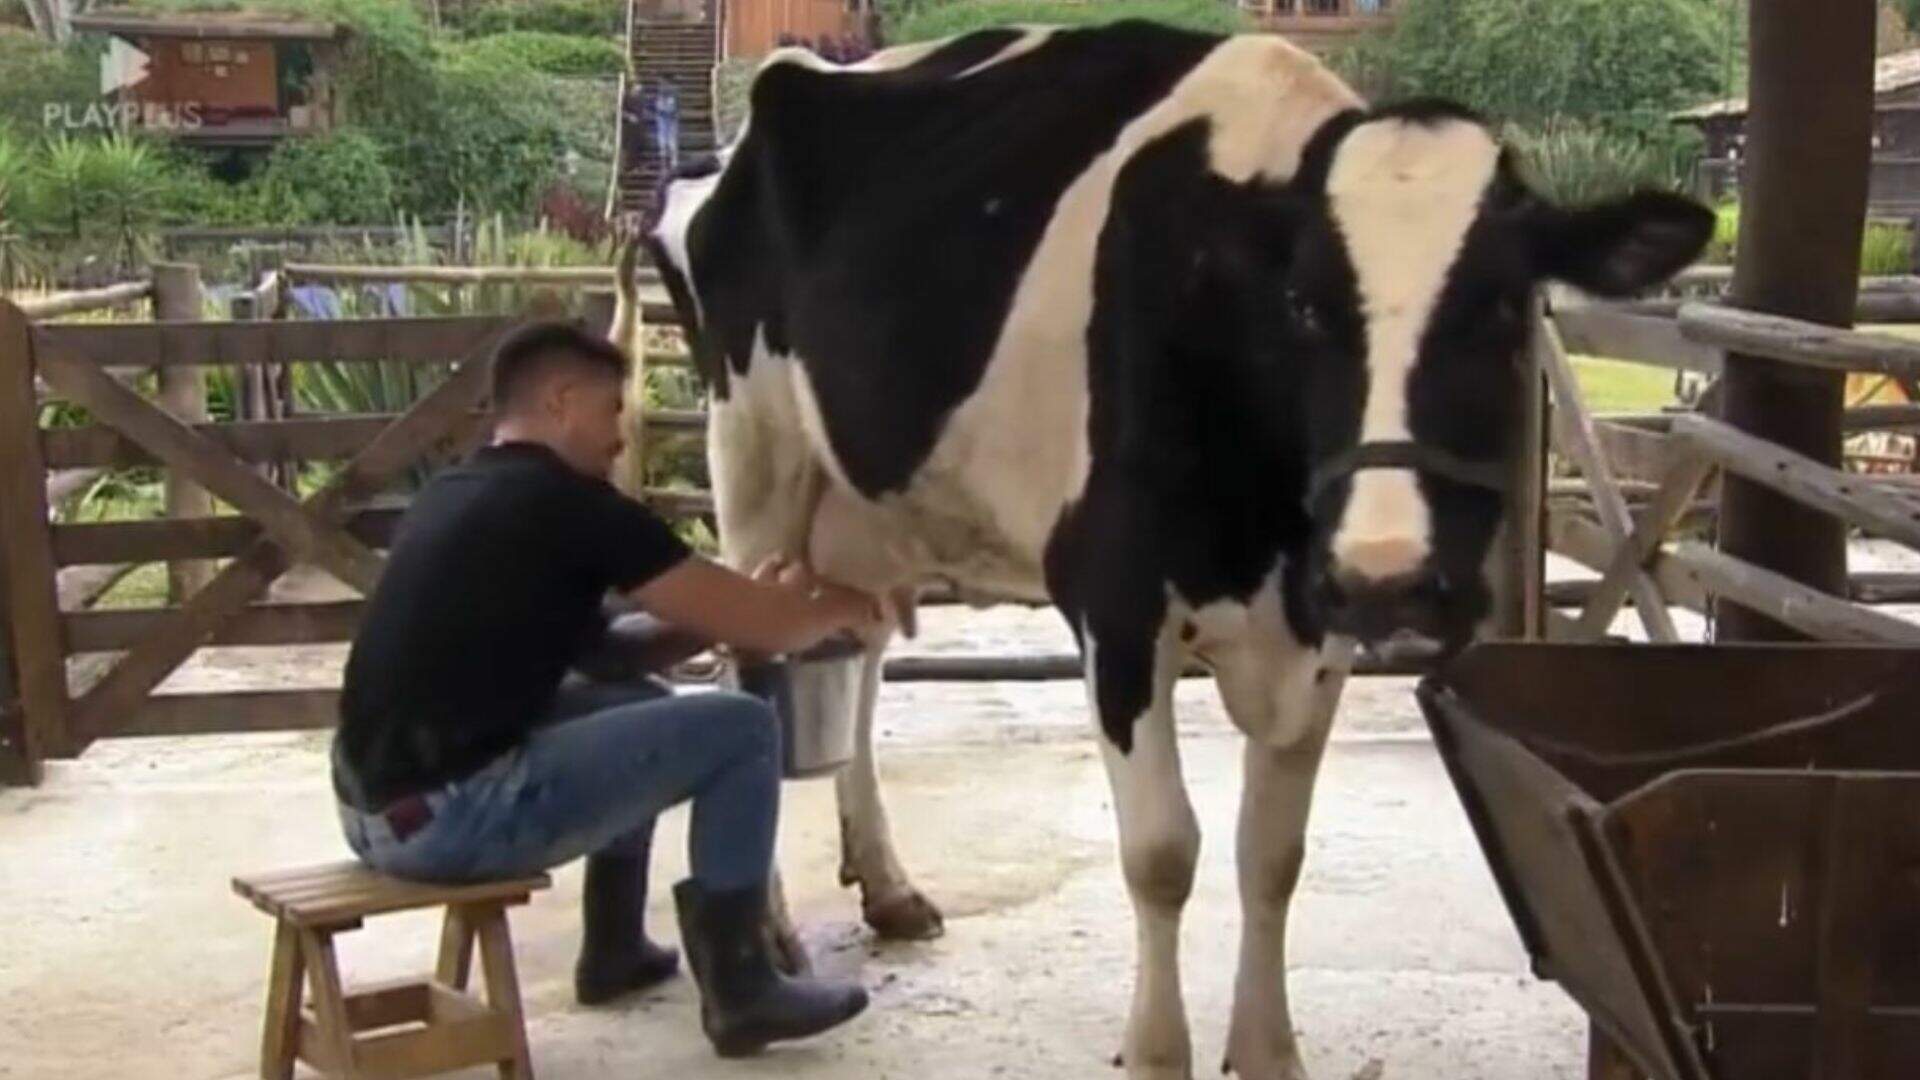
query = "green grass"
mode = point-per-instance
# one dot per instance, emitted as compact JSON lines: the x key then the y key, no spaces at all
{"x":1617,"y":386}
{"x":928,"y":21}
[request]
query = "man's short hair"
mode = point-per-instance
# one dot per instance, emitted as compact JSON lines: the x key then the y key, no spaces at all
{"x":537,"y":347}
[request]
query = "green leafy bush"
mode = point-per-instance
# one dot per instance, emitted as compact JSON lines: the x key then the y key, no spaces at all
{"x":604,"y":19}
{"x":537,"y":50}
{"x":334,"y":179}
{"x":1625,"y":64}
{"x":927,"y":21}
{"x":1886,"y":248}
{"x":35,"y":74}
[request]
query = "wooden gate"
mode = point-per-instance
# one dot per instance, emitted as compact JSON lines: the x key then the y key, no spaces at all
{"x":336,"y":528}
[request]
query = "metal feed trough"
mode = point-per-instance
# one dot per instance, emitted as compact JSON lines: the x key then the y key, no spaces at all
{"x":1714,"y":850}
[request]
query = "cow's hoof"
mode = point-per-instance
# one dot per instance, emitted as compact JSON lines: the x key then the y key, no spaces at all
{"x":904,"y":916}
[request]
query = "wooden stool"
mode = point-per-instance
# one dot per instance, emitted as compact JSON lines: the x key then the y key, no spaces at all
{"x":401,"y":1028}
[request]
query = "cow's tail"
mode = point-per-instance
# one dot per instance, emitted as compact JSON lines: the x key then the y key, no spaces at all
{"x":628,"y":331}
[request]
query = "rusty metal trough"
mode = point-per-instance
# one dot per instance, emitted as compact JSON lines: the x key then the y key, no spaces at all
{"x":1714,"y":850}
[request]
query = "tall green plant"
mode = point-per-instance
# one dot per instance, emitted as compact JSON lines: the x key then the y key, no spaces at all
{"x":1575,"y":163}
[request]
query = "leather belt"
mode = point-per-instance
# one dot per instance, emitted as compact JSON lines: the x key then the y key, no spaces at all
{"x":407,"y":816}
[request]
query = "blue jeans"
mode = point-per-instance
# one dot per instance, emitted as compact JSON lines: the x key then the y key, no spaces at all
{"x":608,"y":760}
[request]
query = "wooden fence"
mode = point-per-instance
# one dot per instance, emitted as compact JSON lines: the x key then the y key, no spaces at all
{"x":1672,"y":458}
{"x":340,"y":528}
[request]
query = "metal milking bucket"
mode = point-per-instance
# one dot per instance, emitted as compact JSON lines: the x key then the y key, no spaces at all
{"x":814,"y":694}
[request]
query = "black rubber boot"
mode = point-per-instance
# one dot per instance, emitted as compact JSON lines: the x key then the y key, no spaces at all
{"x":744,"y":1003}
{"x":615,"y":956}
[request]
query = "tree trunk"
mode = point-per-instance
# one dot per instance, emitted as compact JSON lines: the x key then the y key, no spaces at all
{"x":1803,"y":209}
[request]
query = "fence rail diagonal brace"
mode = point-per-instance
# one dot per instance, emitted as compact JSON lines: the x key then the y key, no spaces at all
{"x":1683,"y":479}
{"x":1580,"y":442}
{"x":214,"y":467}
{"x":438,"y":415}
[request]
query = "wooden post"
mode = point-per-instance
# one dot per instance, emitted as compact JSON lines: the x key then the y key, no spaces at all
{"x":33,"y":671}
{"x":1803,"y":211}
{"x":1521,"y":587}
{"x":1605,"y":1061}
{"x":183,"y":392}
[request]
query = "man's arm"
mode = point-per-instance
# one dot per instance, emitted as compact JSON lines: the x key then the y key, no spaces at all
{"x":638,"y":644}
{"x":780,"y":609}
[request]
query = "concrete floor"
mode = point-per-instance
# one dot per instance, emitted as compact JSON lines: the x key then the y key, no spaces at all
{"x":124,"y":954}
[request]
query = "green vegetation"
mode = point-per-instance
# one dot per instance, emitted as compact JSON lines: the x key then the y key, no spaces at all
{"x":925,"y":21}
{"x":510,"y":112}
{"x":338,"y":177}
{"x":548,"y":53}
{"x":1885,"y":249}
{"x":1575,"y":162}
{"x":605,"y":19}
{"x":1624,"y":65}
{"x":1618,"y":386}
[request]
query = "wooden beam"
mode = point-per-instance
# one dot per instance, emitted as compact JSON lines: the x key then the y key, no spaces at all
{"x":210,"y":538}
{"x":1584,"y":541}
{"x":410,"y":341}
{"x":38,"y":727}
{"x":322,"y":273}
{"x":1614,"y":334}
{"x":233,"y":711}
{"x":1882,"y":507}
{"x":1794,"y":341}
{"x":1803,"y":205}
{"x":1683,"y":479}
{"x":182,"y":392}
{"x":1816,"y":614}
{"x":114,"y":698}
{"x":306,"y":438}
{"x":1578,"y":439}
{"x":111,"y":296}
{"x":257,"y":624}
{"x":306,"y":539}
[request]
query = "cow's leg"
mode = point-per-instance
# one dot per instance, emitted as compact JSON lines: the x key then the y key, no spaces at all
{"x":850,"y":543}
{"x":888,"y":900}
{"x":1285,"y":704}
{"x":764,"y":488}
{"x":1159,"y":846}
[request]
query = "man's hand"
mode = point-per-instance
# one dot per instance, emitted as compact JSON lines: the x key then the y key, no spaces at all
{"x":780,"y":608}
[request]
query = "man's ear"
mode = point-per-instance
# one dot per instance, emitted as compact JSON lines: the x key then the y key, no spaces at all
{"x":1621,"y":247}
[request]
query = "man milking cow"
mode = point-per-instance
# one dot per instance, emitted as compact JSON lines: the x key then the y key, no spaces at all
{"x":494,"y":724}
{"x":1214,"y":358}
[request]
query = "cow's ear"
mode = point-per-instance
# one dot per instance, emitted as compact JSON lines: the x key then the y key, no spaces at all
{"x":1621,"y":247}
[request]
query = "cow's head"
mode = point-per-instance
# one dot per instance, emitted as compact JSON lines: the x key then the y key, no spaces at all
{"x":1407,"y":299}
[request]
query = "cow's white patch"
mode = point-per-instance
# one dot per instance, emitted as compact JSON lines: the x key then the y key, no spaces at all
{"x":900,"y":56}
{"x":1031,"y":38}
{"x":684,"y":198}
{"x":1403,"y":194}
{"x":1264,"y":99}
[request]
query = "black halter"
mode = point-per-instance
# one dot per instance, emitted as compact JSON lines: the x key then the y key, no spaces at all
{"x":1405,"y":454}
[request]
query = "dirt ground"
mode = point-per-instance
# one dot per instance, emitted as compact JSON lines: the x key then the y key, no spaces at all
{"x":123,"y":952}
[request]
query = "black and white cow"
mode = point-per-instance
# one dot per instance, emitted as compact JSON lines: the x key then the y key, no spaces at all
{"x":1168,"y":330}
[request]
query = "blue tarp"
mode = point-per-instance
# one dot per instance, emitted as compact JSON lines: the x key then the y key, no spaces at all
{"x":315,"y":301}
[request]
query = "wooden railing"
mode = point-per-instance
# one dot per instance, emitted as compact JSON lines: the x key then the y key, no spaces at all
{"x":1673,"y":458}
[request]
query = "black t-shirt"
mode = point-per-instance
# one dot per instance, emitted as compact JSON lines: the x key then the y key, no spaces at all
{"x":494,"y":585}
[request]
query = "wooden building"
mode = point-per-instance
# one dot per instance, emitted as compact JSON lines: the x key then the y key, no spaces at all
{"x":1894,"y":190}
{"x":225,"y":78}
{"x":1320,"y":24}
